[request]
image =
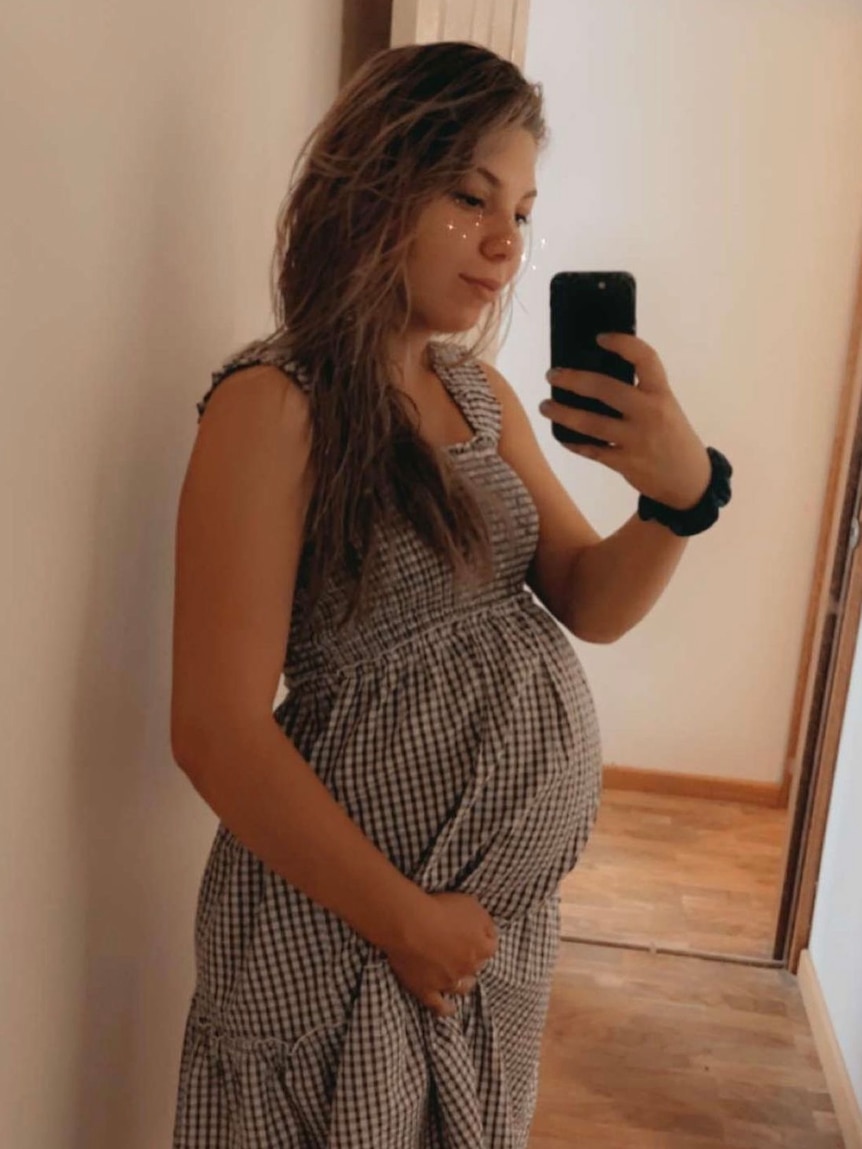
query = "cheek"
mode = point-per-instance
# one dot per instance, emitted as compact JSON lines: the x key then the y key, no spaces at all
{"x":455,"y":232}
{"x":447,"y":238}
{"x":444,"y":247}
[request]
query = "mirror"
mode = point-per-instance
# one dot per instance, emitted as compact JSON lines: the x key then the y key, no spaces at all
{"x":702,"y":151}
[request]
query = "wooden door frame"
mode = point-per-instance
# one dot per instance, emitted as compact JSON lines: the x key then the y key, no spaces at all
{"x":368,"y":26}
{"x":365,"y":29}
{"x":500,"y":25}
{"x":826,"y":662}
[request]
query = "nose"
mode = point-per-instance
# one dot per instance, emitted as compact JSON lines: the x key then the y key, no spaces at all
{"x":502,"y":242}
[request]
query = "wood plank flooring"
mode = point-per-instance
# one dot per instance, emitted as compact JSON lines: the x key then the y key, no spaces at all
{"x":680,"y":873}
{"x":657,"y":1051}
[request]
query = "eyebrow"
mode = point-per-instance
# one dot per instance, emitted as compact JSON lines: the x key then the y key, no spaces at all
{"x":496,"y":182}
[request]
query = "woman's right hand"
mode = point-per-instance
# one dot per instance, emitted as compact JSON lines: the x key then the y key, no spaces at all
{"x":450,"y":938}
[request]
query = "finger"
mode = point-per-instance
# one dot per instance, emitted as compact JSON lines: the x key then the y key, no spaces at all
{"x":587,"y":422}
{"x":591,"y":385}
{"x":648,"y":366}
{"x":439,"y":1005}
{"x":609,"y":456}
{"x":461,"y":988}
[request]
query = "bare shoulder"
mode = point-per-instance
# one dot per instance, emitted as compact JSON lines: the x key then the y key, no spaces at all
{"x":256,"y":427}
{"x":258,"y":391}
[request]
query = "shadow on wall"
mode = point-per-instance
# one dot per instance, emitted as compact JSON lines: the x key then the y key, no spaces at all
{"x":133,"y":819}
{"x":137,"y":821}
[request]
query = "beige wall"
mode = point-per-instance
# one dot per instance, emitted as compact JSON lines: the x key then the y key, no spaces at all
{"x":146,"y":149}
{"x":712,"y":148}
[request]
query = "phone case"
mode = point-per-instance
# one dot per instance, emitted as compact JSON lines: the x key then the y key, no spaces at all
{"x":584,"y":304}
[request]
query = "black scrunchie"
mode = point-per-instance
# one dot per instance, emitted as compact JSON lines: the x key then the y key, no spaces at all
{"x":704,"y":514}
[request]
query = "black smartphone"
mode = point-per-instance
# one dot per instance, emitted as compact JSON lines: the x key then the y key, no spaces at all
{"x":583,"y":305}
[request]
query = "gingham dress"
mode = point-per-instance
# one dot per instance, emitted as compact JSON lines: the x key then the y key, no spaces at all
{"x":459,"y":732}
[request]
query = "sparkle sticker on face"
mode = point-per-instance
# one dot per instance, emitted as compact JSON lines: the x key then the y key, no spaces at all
{"x":460,"y":230}
{"x":535,"y":259}
{"x":533,"y":275}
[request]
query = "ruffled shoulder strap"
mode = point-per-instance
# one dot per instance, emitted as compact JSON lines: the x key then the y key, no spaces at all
{"x":468,"y":385}
{"x":253,"y":355}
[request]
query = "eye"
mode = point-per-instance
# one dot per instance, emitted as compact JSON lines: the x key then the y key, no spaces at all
{"x":470,"y":200}
{"x":474,"y":202}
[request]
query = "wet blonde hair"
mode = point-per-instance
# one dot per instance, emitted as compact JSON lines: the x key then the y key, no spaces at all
{"x":403,"y":131}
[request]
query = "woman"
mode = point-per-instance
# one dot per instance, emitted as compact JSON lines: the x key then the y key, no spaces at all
{"x":378,"y":918}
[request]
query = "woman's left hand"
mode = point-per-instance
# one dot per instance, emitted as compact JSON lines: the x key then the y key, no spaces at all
{"x":653,"y":446}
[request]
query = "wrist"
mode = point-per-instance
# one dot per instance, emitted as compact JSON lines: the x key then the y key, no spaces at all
{"x":688,"y":497}
{"x":701,"y":515}
{"x":396,"y":915}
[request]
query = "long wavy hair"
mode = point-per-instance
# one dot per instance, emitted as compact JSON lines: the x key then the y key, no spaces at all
{"x":401,"y":132}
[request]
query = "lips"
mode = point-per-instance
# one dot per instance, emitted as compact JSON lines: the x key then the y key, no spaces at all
{"x":490,"y":284}
{"x":486,"y":290}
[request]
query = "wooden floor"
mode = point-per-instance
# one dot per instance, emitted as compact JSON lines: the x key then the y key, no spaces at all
{"x":679,"y":873}
{"x":657,"y":1051}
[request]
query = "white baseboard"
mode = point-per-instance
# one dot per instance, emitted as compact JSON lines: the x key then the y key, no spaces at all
{"x":847,"y":1107}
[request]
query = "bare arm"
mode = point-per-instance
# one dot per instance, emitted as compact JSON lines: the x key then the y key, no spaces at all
{"x":616,"y":582}
{"x":239,"y":529}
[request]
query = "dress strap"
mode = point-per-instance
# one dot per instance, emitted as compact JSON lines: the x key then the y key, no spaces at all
{"x":465,"y":379}
{"x":467,"y":383}
{"x":253,"y":355}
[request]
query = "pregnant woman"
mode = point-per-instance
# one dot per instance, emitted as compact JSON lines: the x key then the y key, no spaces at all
{"x":367,"y":511}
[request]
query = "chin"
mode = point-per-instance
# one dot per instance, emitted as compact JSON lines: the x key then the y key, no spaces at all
{"x":460,"y":321}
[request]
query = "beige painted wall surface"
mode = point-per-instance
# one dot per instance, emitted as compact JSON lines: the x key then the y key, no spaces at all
{"x":146,"y":149}
{"x":712,"y":149}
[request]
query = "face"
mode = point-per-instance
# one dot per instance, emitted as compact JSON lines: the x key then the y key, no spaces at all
{"x":475,"y":232}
